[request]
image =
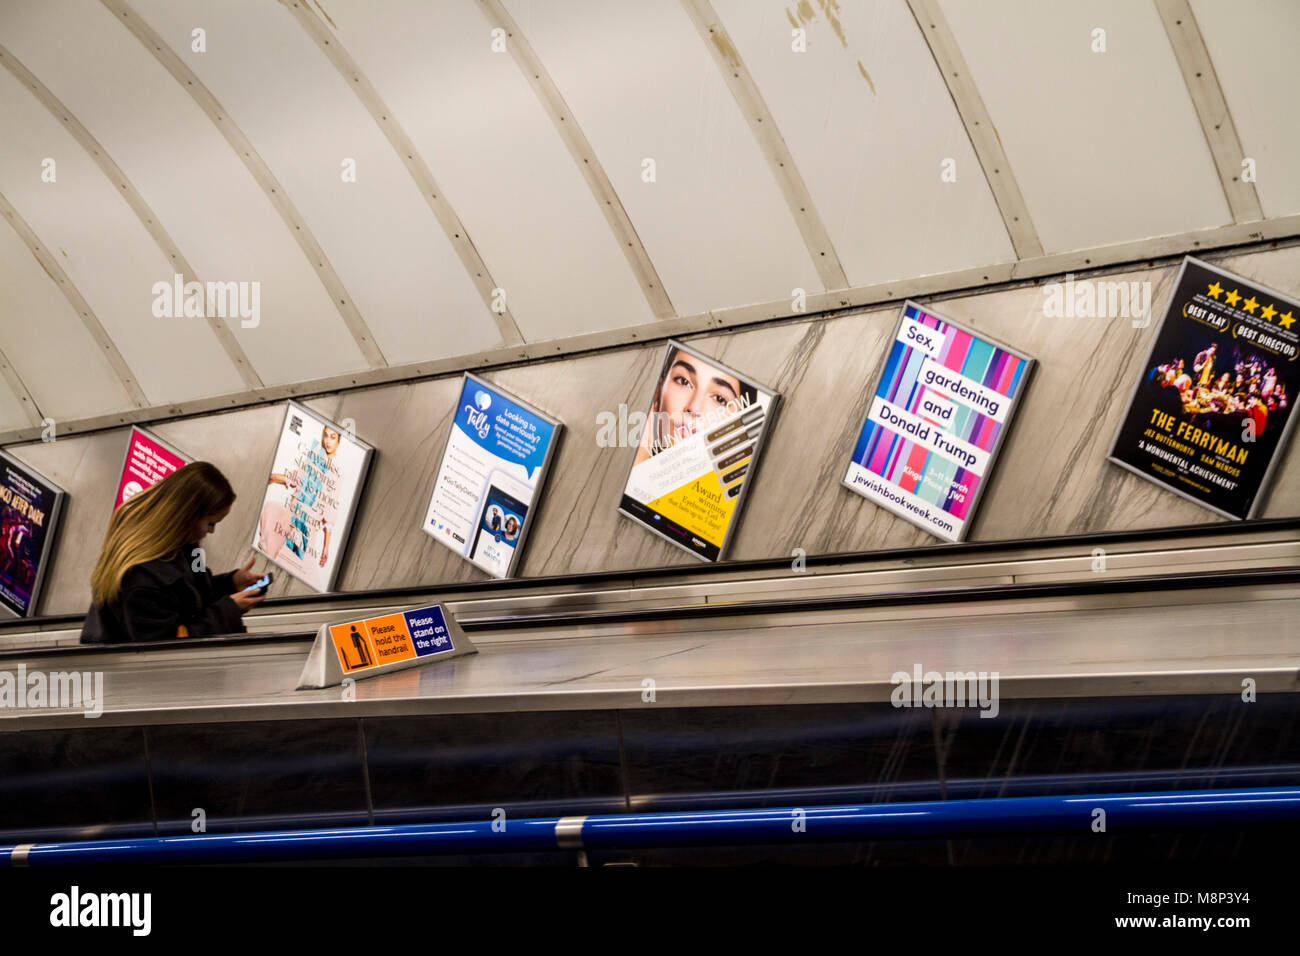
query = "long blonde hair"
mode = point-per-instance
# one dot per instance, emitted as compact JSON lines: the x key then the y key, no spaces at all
{"x":156,"y":522}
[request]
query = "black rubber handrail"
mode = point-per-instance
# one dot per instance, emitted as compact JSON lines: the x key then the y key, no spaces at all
{"x":396,"y":595}
{"x":1199,"y":580}
{"x":179,"y":643}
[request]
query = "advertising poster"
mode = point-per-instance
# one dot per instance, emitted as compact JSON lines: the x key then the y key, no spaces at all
{"x":700,"y":446}
{"x":148,"y":461}
{"x":311,"y":496}
{"x":492,"y":469}
{"x":936,"y":421}
{"x":1212,"y":410}
{"x":29,"y":512}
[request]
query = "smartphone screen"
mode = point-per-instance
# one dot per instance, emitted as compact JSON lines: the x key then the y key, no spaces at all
{"x":263,"y":581}
{"x":499,"y":528}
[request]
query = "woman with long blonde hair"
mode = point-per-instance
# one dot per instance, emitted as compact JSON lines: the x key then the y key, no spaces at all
{"x":151,"y":581}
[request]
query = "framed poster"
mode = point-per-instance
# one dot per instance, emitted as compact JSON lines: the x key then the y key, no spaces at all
{"x":312,"y":491}
{"x":699,"y":450}
{"x":148,"y":461}
{"x":29,"y":514}
{"x":1212,"y":410}
{"x":492,"y":469}
{"x":936,"y":422}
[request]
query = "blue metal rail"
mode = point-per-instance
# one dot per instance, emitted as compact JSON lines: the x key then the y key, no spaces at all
{"x":1124,"y":812}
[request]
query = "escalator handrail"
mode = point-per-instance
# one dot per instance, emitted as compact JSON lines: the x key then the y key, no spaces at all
{"x":397,"y":595}
{"x":999,"y":816}
{"x":1194,"y":581}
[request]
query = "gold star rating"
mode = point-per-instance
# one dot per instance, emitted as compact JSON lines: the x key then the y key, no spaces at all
{"x":1214,"y":290}
{"x":1250,"y":305}
{"x":1268,"y":312}
{"x":1233,"y":297}
{"x":1285,"y":320}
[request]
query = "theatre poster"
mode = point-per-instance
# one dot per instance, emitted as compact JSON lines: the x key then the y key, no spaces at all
{"x":148,"y":461}
{"x":1211,"y":411}
{"x":937,"y":418}
{"x":699,"y":449}
{"x":29,"y":515}
{"x":311,"y":497}
{"x":491,"y":473}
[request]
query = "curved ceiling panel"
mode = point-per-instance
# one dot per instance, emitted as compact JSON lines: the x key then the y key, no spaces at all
{"x":43,"y":338}
{"x":339,"y":171}
{"x":1106,"y":146}
{"x":105,"y":251}
{"x":12,"y":414}
{"x":870,"y":122}
{"x":491,"y":145}
{"x":190,"y":177}
{"x":1254,"y":65}
{"x":643,"y":85}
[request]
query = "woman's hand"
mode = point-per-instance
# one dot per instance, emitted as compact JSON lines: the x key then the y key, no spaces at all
{"x":245,"y":576}
{"x":244,"y":600}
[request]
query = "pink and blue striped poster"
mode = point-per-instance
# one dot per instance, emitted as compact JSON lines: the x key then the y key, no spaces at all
{"x":936,"y":421}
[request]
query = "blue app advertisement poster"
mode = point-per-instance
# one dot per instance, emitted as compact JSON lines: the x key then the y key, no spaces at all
{"x":491,"y":472}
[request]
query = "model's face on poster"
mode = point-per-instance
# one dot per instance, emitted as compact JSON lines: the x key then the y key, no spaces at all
{"x":329,"y":440}
{"x":689,"y":391}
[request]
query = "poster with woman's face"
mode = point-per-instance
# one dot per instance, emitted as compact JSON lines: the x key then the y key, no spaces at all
{"x":311,"y":497}
{"x":699,"y":446}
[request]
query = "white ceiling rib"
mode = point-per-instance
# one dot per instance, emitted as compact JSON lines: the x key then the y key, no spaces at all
{"x":1093,"y":113}
{"x":872,"y":127}
{"x":759,"y":118}
{"x":12,"y":411}
{"x":584,"y":157}
{"x":1114,"y":116}
{"x":430,"y":191}
{"x":1211,"y":107}
{"x":78,"y":302}
{"x":1240,"y":237}
{"x":347,"y":309}
{"x":31,"y":411}
{"x":979,"y":127}
{"x":147,"y":217}
{"x":1253,"y":51}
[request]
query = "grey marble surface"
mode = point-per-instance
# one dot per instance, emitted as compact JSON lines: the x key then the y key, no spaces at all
{"x":1052,"y":478}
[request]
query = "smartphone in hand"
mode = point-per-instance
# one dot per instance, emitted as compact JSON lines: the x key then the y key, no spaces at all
{"x":261,"y":584}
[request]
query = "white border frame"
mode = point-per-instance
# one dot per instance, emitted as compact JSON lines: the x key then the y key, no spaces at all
{"x":1265,"y":480}
{"x":994,"y":453}
{"x":756,"y":458}
{"x":126,"y":456}
{"x":538,"y":486}
{"x":51,"y":529}
{"x":345,"y":522}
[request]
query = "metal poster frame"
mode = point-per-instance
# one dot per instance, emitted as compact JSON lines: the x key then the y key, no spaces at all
{"x":756,"y":457}
{"x":345,"y":521}
{"x":51,"y":529}
{"x":1031,"y":364}
{"x":538,"y":486}
{"x":1265,"y":480}
{"x":126,"y":456}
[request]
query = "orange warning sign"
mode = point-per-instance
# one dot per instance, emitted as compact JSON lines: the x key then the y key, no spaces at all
{"x":374,"y":641}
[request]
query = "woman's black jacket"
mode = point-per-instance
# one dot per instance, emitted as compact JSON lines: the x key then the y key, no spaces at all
{"x":164,"y":599}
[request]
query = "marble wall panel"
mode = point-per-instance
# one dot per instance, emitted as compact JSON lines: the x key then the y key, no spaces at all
{"x":1052,"y":478}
